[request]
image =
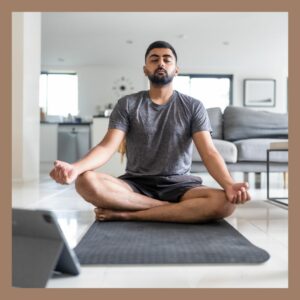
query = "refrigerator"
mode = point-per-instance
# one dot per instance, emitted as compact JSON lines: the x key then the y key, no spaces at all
{"x":74,"y":141}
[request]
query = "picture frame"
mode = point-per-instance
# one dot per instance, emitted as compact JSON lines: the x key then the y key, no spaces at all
{"x":259,"y":92}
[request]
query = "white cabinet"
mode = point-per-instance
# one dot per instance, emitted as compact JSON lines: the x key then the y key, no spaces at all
{"x":48,"y":145}
{"x":113,"y":166}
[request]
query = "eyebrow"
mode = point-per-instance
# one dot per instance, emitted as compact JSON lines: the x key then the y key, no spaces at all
{"x":165,"y":55}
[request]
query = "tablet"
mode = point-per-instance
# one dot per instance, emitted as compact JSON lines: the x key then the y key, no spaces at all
{"x":39,"y":248}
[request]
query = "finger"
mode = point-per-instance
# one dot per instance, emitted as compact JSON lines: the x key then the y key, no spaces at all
{"x":238,"y":196}
{"x":64,"y":173}
{"x":243,"y":196}
{"x":60,"y":174}
{"x":230,"y":198}
{"x":234,"y":199}
{"x":59,"y":164}
{"x":56,"y":162}
{"x":247,"y":197}
{"x":54,"y":175}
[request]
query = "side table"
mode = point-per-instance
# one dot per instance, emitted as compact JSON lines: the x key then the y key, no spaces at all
{"x":275,"y":147}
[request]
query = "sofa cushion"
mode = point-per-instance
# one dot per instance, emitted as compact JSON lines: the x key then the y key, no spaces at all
{"x":216,"y":122}
{"x":244,"y":123}
{"x":256,"y":150}
{"x":227,"y":150}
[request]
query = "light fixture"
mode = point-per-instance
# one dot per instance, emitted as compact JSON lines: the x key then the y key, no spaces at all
{"x":182,"y":36}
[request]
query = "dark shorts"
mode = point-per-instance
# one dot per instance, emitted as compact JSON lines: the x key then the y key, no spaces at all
{"x":166,"y":188}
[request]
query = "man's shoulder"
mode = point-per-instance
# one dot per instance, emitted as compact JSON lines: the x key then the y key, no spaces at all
{"x":133,"y":96}
{"x":128,"y":102}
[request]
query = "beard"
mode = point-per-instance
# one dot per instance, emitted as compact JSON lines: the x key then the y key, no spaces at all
{"x":159,"y":79}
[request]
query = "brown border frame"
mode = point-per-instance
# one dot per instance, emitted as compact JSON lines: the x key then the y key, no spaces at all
{"x":8,"y":6}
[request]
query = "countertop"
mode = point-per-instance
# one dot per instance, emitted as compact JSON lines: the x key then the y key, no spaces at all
{"x":69,"y":123}
{"x":101,"y":116}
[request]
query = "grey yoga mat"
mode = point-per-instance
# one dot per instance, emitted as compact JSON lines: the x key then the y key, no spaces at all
{"x":121,"y":242}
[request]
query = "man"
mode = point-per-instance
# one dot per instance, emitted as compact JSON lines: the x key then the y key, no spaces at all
{"x":159,"y":126}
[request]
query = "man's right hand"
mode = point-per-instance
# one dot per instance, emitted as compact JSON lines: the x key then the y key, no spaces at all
{"x":63,"y":172}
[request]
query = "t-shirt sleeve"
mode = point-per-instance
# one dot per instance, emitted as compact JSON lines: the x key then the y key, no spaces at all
{"x":200,"y":119}
{"x":119,"y":118}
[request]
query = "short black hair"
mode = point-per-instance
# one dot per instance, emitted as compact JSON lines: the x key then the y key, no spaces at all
{"x":160,"y":44}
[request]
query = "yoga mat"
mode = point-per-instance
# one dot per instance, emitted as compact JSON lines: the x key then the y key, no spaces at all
{"x":119,"y":242}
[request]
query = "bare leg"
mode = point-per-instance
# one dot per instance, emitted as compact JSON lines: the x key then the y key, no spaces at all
{"x":105,"y":191}
{"x":196,"y":205}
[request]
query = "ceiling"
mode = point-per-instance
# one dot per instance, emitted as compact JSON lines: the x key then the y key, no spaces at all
{"x":120,"y":39}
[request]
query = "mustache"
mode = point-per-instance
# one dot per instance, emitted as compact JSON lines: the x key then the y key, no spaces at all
{"x":160,"y":69}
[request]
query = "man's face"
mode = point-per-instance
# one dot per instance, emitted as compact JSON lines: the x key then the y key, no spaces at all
{"x":160,"y":66}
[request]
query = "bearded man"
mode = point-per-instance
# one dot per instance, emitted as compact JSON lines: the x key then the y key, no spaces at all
{"x":159,"y":126}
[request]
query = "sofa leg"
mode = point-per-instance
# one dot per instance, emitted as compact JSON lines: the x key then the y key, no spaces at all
{"x":257,"y":180}
{"x":246,"y":177}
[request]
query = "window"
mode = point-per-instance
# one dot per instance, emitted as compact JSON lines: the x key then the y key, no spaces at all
{"x":59,"y":93}
{"x":211,"y":90}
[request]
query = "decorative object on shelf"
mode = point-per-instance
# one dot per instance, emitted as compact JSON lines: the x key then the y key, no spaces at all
{"x":259,"y":92}
{"x":122,"y":86}
{"x":42,"y":115}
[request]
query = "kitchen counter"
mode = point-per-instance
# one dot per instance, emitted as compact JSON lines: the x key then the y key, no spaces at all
{"x":68,"y":123}
{"x":101,"y":116}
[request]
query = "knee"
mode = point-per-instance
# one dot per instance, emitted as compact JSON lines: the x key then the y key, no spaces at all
{"x":91,"y":186}
{"x":89,"y":183}
{"x":222,"y":208}
{"x":84,"y":181}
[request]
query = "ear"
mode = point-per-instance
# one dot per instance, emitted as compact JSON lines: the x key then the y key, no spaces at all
{"x":176,"y":71}
{"x":145,"y":70}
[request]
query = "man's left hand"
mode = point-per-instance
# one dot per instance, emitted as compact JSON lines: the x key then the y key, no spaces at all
{"x":237,"y":193}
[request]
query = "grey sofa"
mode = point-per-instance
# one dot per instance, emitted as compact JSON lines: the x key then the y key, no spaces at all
{"x":242,"y":136}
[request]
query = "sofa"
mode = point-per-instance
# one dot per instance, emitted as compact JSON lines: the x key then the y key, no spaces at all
{"x":242,"y":137}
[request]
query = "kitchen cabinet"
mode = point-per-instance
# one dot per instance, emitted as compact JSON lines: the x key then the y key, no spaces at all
{"x":48,"y":145}
{"x":114,"y":166}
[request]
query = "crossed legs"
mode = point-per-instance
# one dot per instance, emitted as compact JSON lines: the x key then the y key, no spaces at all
{"x":115,"y":200}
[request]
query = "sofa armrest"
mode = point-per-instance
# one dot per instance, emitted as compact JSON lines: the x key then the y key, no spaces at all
{"x":227,"y":150}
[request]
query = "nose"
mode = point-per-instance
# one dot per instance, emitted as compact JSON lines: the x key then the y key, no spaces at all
{"x":161,"y":63}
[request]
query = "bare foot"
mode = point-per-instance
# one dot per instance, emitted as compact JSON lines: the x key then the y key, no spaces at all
{"x":109,"y":215}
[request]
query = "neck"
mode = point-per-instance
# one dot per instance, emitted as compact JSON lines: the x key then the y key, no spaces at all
{"x":160,"y":94}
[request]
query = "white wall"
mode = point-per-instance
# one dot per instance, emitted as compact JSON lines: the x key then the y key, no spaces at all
{"x":257,"y":48}
{"x":95,"y":84}
{"x":26,"y":53}
{"x":247,"y":60}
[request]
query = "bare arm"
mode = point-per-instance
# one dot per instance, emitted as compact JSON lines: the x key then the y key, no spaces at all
{"x":235,"y":192}
{"x":102,"y":152}
{"x":66,"y":173}
{"x":212,"y":159}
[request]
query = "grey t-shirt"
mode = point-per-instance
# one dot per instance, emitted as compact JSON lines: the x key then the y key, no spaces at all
{"x":159,"y":137}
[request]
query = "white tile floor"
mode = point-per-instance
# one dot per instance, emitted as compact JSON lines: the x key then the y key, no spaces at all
{"x":263,"y":223}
